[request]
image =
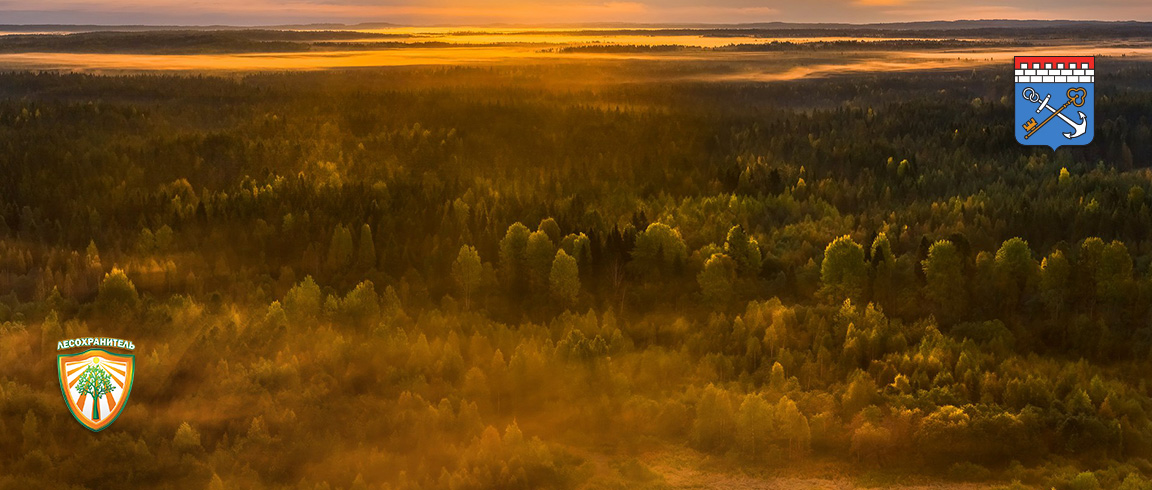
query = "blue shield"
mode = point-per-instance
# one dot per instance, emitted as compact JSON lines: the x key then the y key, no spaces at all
{"x":1055,"y":100}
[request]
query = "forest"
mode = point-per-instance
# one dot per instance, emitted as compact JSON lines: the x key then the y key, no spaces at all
{"x":179,"y":41}
{"x":558,"y":275}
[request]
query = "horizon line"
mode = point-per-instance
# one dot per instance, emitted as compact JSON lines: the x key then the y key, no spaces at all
{"x":617,"y":24}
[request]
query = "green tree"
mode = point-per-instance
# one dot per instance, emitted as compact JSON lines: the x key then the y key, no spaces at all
{"x":361,"y":306}
{"x":1134,"y":481}
{"x":870,"y":443}
{"x":744,"y":250}
{"x":30,"y":431}
{"x":716,"y":279}
{"x":1114,"y":276}
{"x":659,"y":251}
{"x":578,"y":246}
{"x":468,"y":272}
{"x":512,"y":258}
{"x":92,"y":256}
{"x":564,"y":279}
{"x":945,"y":434}
{"x":777,"y":380}
{"x":95,"y":381}
{"x":883,"y":265}
{"x":1016,"y":272}
{"x":1135,"y":197}
{"x":539,"y":254}
{"x":187,"y":438}
{"x":50,"y":332}
{"x":791,"y":426}
{"x":1055,"y":272}
{"x":754,"y":426}
{"x":860,"y":393}
{"x":1087,"y":267}
{"x":164,"y":238}
{"x":366,"y":253}
{"x":944,"y":277}
{"x":715,"y":422}
{"x":1085,"y":480}
{"x":340,"y":250}
{"x":146,"y":242}
{"x":304,"y":300}
{"x":550,"y":228}
{"x":117,"y":294}
{"x":843,"y":271}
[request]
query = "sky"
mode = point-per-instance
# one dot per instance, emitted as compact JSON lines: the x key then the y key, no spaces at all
{"x":483,"y":12}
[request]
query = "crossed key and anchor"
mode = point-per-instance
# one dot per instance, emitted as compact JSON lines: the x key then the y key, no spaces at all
{"x":1076,"y":97}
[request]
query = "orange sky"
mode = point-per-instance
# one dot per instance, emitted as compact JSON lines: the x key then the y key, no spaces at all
{"x":479,"y":12}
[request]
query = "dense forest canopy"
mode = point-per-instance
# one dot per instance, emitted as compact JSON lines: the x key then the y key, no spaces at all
{"x":558,"y":276}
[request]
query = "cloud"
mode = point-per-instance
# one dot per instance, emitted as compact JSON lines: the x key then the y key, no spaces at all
{"x":881,"y":3}
{"x":540,"y":11}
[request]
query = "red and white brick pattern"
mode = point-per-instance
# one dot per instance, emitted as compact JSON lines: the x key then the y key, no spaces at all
{"x":1055,"y":69}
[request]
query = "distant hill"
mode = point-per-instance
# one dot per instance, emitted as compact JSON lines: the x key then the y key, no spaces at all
{"x":957,"y":25}
{"x":182,"y":41}
{"x":64,"y":28}
{"x":940,"y":25}
{"x":306,"y":37}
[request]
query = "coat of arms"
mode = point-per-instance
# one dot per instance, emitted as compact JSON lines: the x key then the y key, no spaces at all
{"x":96,"y":384}
{"x":1054,"y":104}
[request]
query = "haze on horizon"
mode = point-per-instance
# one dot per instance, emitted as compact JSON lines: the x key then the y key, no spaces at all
{"x":483,"y":12}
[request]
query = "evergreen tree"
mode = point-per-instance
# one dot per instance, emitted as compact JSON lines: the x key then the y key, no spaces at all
{"x":539,"y":254}
{"x":744,"y":250}
{"x":360,"y":307}
{"x":117,"y":294}
{"x":145,"y":242}
{"x":715,"y":424}
{"x":579,"y":247}
{"x":303,"y":301}
{"x":1016,"y":272}
{"x":791,"y":426}
{"x":716,"y":278}
{"x":1114,"y":278}
{"x":513,"y":262}
{"x":564,"y":278}
{"x":883,"y":264}
{"x":467,"y":270}
{"x":31,"y":430}
{"x":659,"y":251}
{"x":945,"y":287}
{"x":1055,"y":272}
{"x":843,"y":271}
{"x":754,"y":426}
{"x":366,"y":252}
{"x":164,"y":237}
{"x":340,"y":250}
{"x":92,"y":256}
{"x":1087,"y":267}
{"x":550,"y":228}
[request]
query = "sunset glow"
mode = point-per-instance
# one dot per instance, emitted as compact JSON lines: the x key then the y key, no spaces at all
{"x":483,"y":12}
{"x":543,"y":45}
